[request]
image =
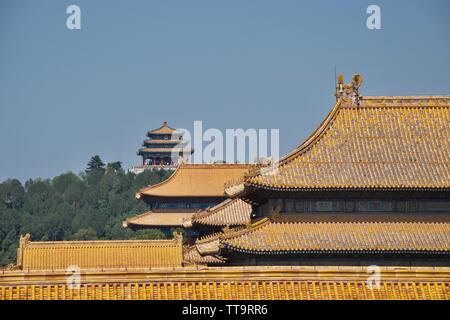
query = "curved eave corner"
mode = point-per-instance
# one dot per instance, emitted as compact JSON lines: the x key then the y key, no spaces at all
{"x":187,"y":223}
{"x":143,"y":191}
{"x":209,"y":248}
{"x":235,"y":190}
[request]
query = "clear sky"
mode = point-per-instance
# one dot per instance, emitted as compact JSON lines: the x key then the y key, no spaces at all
{"x":66,"y":95}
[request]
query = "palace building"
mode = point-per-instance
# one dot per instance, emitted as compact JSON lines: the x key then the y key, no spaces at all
{"x":191,"y":188}
{"x":369,"y":187}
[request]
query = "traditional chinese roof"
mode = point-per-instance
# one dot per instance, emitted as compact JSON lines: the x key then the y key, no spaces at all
{"x":164,"y":129}
{"x":196,"y":180}
{"x":158,"y":219}
{"x":165,"y":141}
{"x":231,"y":212}
{"x":193,"y":257}
{"x":109,"y":254}
{"x":232,"y":283}
{"x":165,"y":150}
{"x":276,"y":237}
{"x":379,"y":143}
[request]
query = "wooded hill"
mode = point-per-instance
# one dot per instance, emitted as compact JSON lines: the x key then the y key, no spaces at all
{"x":88,"y":206}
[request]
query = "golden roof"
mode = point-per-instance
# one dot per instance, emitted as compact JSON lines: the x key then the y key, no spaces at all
{"x":158,"y":219}
{"x":382,"y":143}
{"x":267,"y":236}
{"x":231,"y":212}
{"x":165,"y":141}
{"x":232,"y":283}
{"x":192,"y":257}
{"x":168,"y":149}
{"x":196,"y":180}
{"x":164,"y":129}
{"x":59,"y":255}
{"x":358,"y":217}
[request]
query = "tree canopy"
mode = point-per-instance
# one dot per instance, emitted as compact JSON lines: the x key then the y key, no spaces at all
{"x":88,"y":206}
{"x":95,"y":164}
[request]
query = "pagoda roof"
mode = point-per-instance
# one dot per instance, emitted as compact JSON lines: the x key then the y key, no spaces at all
{"x":196,"y":180}
{"x":158,"y":219}
{"x":380,"y":143}
{"x":162,"y":150}
{"x":164,"y":129}
{"x":164,"y":141}
{"x":231,"y":212}
{"x":59,"y":255}
{"x":269,"y":236}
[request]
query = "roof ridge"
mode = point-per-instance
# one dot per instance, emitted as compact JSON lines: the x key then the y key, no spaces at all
{"x":228,"y":233}
{"x":139,"y":193}
{"x":424,"y":102}
{"x":360,"y":222}
{"x":212,"y":209}
{"x":164,"y":125}
{"x":94,"y":242}
{"x":209,"y":238}
{"x":215,"y":165}
{"x":408,"y":97}
{"x":251,"y":227}
{"x":139,"y":215}
{"x":191,"y":166}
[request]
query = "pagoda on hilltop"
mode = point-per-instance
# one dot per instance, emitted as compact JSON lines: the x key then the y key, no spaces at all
{"x":164,"y":147}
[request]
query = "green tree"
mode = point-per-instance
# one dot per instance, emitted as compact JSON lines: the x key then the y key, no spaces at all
{"x":114,"y":167}
{"x":12,"y":193}
{"x":85,"y":234}
{"x":95,"y":164}
{"x":149,"y":234}
{"x":95,"y":170}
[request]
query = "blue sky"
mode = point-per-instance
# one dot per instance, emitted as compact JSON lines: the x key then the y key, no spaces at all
{"x":67,"y":95}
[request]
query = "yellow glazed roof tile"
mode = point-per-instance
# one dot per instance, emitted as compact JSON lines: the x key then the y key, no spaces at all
{"x":196,"y":180}
{"x":59,"y":255}
{"x":229,"y":283}
{"x":192,"y":256}
{"x":164,"y":129}
{"x":168,"y":149}
{"x":158,"y":219}
{"x":384,"y":143}
{"x":231,"y":212}
{"x":270,"y":236}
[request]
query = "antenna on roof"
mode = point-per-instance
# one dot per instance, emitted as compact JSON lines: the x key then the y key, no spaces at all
{"x":336,"y":84}
{"x":335,"y":77}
